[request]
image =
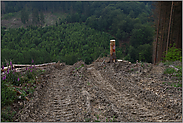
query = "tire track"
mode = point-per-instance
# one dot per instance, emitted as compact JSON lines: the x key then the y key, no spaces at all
{"x":81,"y":93}
{"x":121,"y":101}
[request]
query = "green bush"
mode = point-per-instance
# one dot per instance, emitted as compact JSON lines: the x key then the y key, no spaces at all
{"x":173,"y":54}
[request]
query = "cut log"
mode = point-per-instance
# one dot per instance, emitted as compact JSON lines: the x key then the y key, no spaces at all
{"x":39,"y":65}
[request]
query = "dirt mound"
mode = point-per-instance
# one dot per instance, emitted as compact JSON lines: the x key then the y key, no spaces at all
{"x":103,"y":92}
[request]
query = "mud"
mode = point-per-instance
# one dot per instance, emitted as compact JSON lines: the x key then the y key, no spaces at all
{"x":104,"y":92}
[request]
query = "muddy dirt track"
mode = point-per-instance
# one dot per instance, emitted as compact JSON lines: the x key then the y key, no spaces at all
{"x":119,"y":92}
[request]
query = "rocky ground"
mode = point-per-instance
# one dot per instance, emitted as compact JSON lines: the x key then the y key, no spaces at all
{"x":120,"y":91}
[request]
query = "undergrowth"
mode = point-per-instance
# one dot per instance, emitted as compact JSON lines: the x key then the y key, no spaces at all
{"x":173,"y":54}
{"x":16,"y":86}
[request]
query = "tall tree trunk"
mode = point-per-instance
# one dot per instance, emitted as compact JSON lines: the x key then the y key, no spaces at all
{"x":3,"y":7}
{"x":161,"y":41}
{"x":155,"y":56}
{"x":169,"y":27}
{"x":163,"y":38}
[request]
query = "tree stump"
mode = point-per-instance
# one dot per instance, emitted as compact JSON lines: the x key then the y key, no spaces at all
{"x":112,"y":51}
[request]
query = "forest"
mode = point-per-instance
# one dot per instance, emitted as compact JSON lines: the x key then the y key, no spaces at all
{"x":168,"y":18}
{"x":84,"y":34}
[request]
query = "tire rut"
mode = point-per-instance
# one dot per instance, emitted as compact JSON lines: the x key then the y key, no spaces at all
{"x":81,"y":93}
{"x":121,"y":101}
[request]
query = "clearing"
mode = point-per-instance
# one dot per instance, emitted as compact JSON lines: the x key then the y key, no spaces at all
{"x":104,"y":92}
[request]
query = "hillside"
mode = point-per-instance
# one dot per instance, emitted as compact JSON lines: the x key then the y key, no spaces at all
{"x":129,"y":23}
{"x":103,"y":92}
{"x":66,"y":43}
{"x":13,"y":20}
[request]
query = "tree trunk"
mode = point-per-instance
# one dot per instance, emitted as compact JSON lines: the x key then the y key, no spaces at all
{"x":169,"y":27}
{"x":155,"y":56}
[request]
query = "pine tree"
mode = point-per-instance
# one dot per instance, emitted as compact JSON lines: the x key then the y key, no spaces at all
{"x":42,"y":18}
{"x":35,"y":16}
{"x":56,"y":23}
{"x":24,"y":16}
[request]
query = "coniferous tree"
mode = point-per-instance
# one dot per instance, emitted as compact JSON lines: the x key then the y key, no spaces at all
{"x":42,"y":18}
{"x":3,"y":7}
{"x":24,"y":16}
{"x":35,"y":16}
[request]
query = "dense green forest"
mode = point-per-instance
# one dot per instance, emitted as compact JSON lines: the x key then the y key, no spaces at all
{"x":67,"y":43}
{"x":84,"y":33}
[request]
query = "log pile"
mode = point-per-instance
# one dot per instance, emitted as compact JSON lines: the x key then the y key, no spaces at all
{"x":20,"y":67}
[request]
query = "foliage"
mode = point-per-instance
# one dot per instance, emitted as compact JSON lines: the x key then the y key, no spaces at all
{"x":126,"y":21}
{"x":145,"y":53}
{"x":24,"y":16}
{"x":7,"y":94}
{"x":65,"y":43}
{"x":168,"y":62}
{"x":173,"y":54}
{"x":142,"y":53}
{"x":7,"y":114}
{"x":9,"y":15}
{"x":35,"y":16}
{"x":141,"y":34}
{"x":179,"y":73}
{"x":169,"y":71}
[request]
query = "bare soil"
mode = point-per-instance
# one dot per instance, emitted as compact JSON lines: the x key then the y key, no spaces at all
{"x":103,"y":92}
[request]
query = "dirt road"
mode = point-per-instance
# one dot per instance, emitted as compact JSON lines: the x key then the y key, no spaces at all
{"x":104,"y":92}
